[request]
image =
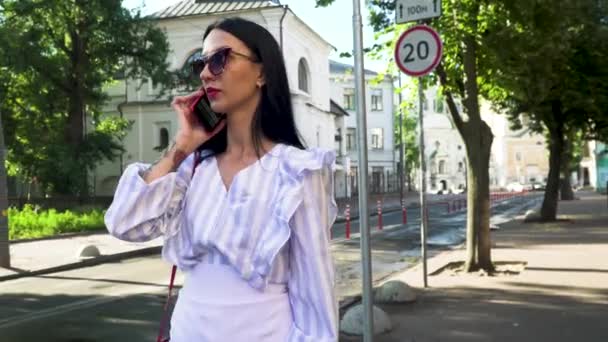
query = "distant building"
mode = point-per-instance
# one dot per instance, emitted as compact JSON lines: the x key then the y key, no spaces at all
{"x":594,"y":166}
{"x":516,"y":156}
{"x":380,"y":127}
{"x":306,"y":55}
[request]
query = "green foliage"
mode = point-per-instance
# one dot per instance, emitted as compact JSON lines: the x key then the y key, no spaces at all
{"x":32,"y":222}
{"x":56,"y":57}
{"x":552,"y":65}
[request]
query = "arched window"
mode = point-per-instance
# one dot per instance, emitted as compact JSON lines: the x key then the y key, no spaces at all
{"x":161,"y":133}
{"x":303,"y":76}
{"x":164,"y":138}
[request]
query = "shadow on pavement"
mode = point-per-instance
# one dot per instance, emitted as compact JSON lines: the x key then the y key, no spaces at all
{"x":529,"y":312}
{"x":130,"y":318}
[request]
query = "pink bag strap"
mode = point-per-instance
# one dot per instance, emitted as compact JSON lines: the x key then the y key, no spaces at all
{"x":163,"y":322}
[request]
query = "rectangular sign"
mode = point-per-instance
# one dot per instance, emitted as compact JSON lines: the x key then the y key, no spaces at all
{"x":412,"y":10}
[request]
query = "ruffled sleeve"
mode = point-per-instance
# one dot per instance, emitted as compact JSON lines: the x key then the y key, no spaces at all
{"x":142,"y":212}
{"x":312,"y":210}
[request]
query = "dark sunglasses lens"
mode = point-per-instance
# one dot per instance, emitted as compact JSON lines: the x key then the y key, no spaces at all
{"x":217,"y":61}
{"x":197,"y":67}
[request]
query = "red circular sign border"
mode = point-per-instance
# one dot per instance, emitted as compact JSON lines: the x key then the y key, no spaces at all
{"x":437,"y":58}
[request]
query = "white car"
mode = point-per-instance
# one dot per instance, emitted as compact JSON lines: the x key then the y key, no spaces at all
{"x":515,"y":187}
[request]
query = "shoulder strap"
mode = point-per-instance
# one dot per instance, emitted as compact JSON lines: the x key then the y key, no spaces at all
{"x":163,"y":322}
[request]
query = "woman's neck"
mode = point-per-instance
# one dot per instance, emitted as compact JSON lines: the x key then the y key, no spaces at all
{"x":240,"y":140}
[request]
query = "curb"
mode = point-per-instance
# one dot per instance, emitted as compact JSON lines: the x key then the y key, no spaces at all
{"x":352,"y":218}
{"x":99,"y":231}
{"x":86,"y":263}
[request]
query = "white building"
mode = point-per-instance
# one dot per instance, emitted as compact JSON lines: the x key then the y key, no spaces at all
{"x":306,"y":55}
{"x":380,"y":139}
{"x":516,"y":156}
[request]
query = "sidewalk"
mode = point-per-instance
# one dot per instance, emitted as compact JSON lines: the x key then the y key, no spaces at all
{"x":560,"y":295}
{"x":54,"y":255}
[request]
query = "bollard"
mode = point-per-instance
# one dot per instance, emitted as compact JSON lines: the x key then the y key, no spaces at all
{"x":379,"y":204}
{"x":347,"y":214}
{"x":404,"y":211}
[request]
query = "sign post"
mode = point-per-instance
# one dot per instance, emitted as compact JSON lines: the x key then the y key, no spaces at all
{"x":412,"y":10}
{"x":368,"y":317}
{"x":417,"y":53}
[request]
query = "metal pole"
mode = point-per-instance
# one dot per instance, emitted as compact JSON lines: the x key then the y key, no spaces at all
{"x":368,"y":326}
{"x":423,"y":218}
{"x":401,"y":166}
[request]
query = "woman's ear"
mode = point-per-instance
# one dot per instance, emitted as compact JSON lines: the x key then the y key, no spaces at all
{"x":261,"y":81}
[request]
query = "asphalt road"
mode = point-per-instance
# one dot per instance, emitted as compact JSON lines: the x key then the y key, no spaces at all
{"x":110,"y":302}
{"x":122,"y":301}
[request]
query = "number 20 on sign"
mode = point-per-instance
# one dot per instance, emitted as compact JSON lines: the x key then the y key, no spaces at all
{"x":418,"y":51}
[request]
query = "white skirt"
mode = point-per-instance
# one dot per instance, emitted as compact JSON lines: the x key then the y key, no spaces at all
{"x":216,"y":304}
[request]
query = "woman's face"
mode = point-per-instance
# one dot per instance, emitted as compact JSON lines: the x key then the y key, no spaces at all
{"x":237,"y":85}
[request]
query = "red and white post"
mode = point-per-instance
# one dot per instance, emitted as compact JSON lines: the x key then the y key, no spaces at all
{"x":379,"y":204}
{"x":347,"y":215}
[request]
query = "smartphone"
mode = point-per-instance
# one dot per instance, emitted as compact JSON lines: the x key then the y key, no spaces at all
{"x":205,"y":115}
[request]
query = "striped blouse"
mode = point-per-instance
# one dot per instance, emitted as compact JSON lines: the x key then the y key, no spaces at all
{"x":272,"y":225}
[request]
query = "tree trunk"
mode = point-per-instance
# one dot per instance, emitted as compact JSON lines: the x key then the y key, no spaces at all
{"x":5,"y":256}
{"x":74,"y":131}
{"x":477,"y":137}
{"x":565,"y":184}
{"x":556,"y":145}
{"x":478,"y":142}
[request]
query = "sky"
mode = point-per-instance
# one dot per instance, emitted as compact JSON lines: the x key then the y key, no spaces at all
{"x":333,"y":23}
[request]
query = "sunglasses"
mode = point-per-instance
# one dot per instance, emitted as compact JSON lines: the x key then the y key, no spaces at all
{"x":216,"y":61}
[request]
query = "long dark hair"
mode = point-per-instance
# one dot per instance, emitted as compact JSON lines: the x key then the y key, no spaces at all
{"x":273,"y":117}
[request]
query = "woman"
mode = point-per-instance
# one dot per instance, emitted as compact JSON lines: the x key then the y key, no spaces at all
{"x":250,"y":228}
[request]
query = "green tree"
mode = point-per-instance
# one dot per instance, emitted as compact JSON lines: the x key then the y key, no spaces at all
{"x":59,"y":55}
{"x":553,"y":72}
{"x":463,"y":70}
{"x":460,"y":73}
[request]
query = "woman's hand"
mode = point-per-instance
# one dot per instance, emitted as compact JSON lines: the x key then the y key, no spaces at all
{"x":191,"y":133}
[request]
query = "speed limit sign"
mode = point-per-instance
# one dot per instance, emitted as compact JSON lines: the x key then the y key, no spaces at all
{"x":418,"y":51}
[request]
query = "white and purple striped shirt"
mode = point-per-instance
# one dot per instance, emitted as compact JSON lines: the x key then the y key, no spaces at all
{"x":272,"y":225}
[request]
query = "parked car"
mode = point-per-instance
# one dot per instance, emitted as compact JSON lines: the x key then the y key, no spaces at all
{"x":538,"y":186}
{"x":515,"y":187}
